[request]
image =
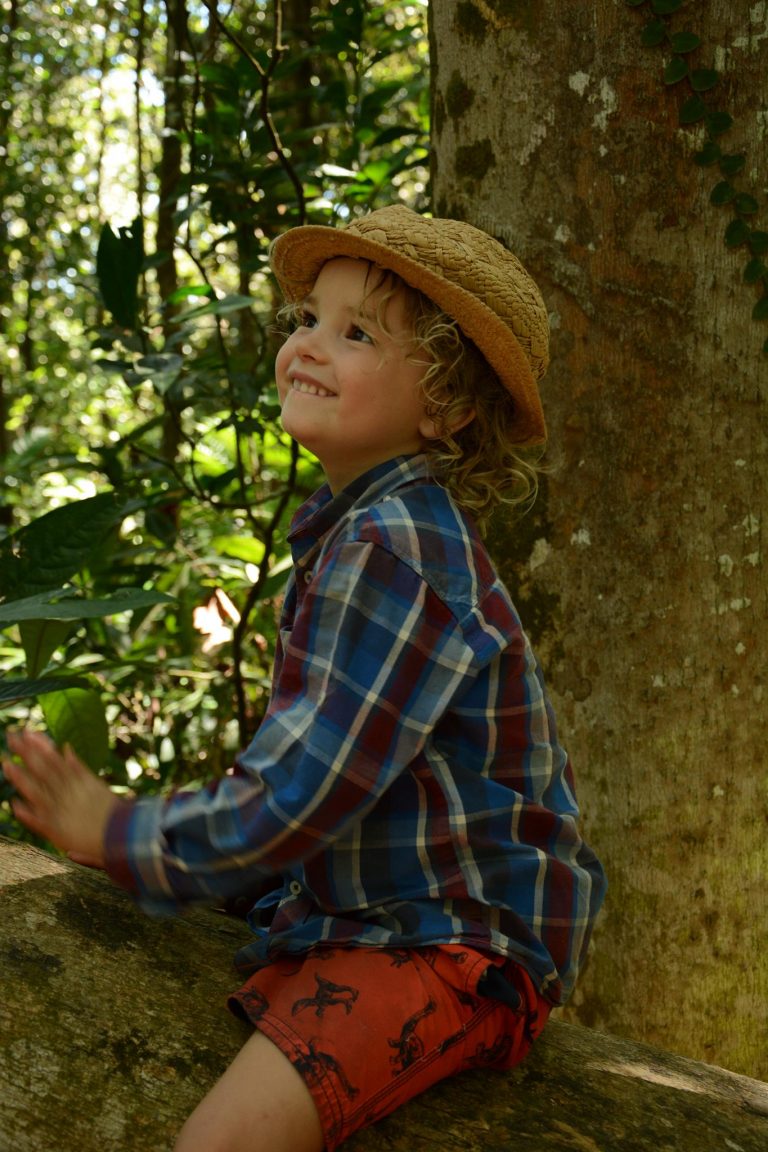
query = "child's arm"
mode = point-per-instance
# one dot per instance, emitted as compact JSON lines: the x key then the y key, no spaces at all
{"x":61,"y":799}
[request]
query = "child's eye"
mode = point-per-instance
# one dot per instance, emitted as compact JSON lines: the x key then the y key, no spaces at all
{"x":303,"y":318}
{"x":360,"y":335}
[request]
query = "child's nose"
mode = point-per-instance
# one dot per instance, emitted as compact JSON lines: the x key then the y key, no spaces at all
{"x":309,"y":343}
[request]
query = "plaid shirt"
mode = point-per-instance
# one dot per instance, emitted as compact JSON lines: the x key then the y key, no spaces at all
{"x":406,"y":785}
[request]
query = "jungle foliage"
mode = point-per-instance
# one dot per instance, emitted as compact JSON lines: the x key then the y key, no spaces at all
{"x":150,"y":153}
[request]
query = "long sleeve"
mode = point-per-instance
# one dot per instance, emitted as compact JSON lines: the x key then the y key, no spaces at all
{"x":373,"y":660}
{"x":407,"y":784}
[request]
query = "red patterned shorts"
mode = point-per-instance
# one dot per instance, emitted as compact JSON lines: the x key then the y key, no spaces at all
{"x":368,"y":1029}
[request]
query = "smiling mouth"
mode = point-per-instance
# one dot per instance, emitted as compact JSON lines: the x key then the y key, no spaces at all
{"x":309,"y":389}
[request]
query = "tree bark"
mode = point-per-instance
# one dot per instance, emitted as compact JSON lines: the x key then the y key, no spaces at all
{"x":112,"y":1026}
{"x":641,"y":575}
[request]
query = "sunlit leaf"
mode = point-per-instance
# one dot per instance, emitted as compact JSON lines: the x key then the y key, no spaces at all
{"x":49,"y":551}
{"x":240,"y":548}
{"x":67,"y":607}
{"x":76,"y":716}
{"x":231,"y":303}
{"x":12,"y":691}
{"x":40,"y":639}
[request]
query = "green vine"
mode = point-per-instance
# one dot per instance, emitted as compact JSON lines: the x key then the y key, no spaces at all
{"x":699,"y":108}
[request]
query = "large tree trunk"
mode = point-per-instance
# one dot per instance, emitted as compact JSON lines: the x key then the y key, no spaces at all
{"x":641,"y":574}
{"x":112,"y":1026}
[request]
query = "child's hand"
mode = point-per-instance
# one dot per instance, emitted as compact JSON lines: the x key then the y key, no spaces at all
{"x":59,"y":798}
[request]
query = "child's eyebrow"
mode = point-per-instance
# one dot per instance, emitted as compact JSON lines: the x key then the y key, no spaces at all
{"x":355,"y":311}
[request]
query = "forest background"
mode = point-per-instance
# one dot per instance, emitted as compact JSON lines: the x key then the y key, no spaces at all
{"x":150,"y":153}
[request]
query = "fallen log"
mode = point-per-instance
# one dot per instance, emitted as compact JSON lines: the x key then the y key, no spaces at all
{"x":113,"y":1025}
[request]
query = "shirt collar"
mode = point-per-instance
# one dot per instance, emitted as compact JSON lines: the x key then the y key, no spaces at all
{"x":323,"y":510}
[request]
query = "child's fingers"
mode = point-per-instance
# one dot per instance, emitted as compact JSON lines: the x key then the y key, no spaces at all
{"x":24,"y":784}
{"x":87,"y":861}
{"x":29,"y":818}
{"x":39,"y":753}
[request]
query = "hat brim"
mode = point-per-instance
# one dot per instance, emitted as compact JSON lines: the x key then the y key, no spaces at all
{"x":298,"y":255}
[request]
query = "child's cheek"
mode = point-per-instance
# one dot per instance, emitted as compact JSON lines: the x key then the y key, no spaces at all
{"x":282,"y":363}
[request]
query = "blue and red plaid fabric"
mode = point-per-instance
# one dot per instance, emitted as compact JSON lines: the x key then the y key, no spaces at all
{"x":406,"y":786}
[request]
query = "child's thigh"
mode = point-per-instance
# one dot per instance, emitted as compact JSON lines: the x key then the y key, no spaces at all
{"x":261,"y":1102}
{"x":369,"y":1029}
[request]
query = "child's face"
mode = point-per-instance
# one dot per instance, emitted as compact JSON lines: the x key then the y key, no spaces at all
{"x":347,"y":389}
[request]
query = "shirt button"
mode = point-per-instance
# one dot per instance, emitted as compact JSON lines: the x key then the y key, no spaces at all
{"x":307,"y":577}
{"x":295,"y":888}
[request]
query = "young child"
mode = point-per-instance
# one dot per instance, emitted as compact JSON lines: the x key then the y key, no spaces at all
{"x":404,"y":820}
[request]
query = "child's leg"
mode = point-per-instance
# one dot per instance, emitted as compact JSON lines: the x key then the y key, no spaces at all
{"x":260,"y":1104}
{"x":365,"y":1030}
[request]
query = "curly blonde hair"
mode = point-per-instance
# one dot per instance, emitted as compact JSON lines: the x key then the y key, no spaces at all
{"x":479,"y":461}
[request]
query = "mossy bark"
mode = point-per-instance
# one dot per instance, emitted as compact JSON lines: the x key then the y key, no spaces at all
{"x":112,"y":1026}
{"x":641,"y":574}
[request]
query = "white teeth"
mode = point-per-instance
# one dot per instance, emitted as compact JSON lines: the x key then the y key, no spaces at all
{"x":310,"y":389}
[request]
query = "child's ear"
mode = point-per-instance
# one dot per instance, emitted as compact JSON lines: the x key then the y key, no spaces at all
{"x":430,"y":430}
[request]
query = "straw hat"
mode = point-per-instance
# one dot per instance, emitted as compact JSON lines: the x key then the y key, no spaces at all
{"x":467,"y":273}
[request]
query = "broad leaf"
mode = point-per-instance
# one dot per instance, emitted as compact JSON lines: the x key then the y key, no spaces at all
{"x":47,"y":553}
{"x":12,"y":691}
{"x":76,"y":716}
{"x":59,"y":606}
{"x":40,"y":639}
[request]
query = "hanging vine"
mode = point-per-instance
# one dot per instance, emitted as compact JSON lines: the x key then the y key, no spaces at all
{"x":701,"y":108}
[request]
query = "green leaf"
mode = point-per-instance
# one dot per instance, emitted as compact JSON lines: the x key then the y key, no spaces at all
{"x":219,"y":75}
{"x":40,"y":639}
{"x":676,"y":70}
{"x":765,"y":348}
{"x":760,"y":310}
{"x":653,"y":34}
{"x":61,"y":606}
{"x":231,"y":303}
{"x":634,"y":3}
{"x":693,"y":110}
{"x":722,"y":193}
{"x":11,"y":691}
{"x":666,"y":7}
{"x":45,"y":554}
{"x":337,"y":171}
{"x":76,"y":716}
{"x":717,"y":122}
{"x":709,"y":154}
{"x":745,"y":204}
{"x":758,"y":242}
{"x":755,"y":270}
{"x":178,"y":294}
{"x":684,"y":42}
{"x":702,"y":79}
{"x":119,"y":259}
{"x":737,"y":233}
{"x":730,"y":165}
{"x":244,"y":548}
